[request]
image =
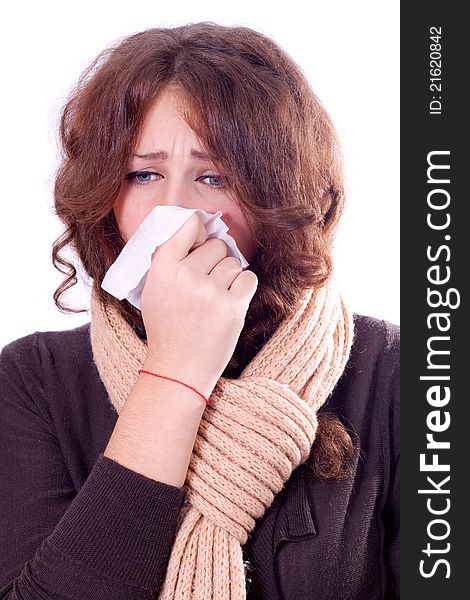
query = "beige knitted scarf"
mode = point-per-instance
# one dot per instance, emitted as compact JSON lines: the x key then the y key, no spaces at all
{"x":255,"y":431}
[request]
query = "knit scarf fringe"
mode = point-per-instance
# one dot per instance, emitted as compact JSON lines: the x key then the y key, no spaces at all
{"x":255,"y":431}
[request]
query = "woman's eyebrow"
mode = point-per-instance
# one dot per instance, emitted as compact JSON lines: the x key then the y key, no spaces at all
{"x":163,"y":155}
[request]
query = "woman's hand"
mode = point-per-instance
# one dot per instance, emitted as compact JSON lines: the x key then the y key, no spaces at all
{"x":194,"y":304}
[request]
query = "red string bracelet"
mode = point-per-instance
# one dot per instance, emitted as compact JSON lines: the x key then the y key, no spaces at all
{"x":177,"y":381}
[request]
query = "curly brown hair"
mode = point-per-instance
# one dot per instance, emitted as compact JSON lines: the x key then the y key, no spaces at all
{"x":260,"y":122}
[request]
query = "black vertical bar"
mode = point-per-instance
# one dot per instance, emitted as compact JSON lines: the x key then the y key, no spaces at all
{"x":435,"y":399}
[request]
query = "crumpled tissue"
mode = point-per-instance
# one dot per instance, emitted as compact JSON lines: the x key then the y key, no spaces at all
{"x":126,"y":277}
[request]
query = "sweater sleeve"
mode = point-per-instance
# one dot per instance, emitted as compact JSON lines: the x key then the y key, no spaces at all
{"x":111,"y":540}
{"x":392,"y":520}
{"x":391,"y":433}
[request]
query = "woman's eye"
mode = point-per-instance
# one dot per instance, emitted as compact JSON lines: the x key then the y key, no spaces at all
{"x":140,"y":177}
{"x":145,"y":177}
{"x":219,"y":181}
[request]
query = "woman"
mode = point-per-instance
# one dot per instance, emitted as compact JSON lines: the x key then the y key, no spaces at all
{"x":238,"y":435}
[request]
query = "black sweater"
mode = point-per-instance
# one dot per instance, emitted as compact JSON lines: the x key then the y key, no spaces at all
{"x":75,"y":524}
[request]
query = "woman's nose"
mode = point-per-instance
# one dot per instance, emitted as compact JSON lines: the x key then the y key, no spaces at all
{"x":176,"y":193}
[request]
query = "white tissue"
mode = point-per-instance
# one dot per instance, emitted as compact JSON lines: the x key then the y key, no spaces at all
{"x":126,"y":277}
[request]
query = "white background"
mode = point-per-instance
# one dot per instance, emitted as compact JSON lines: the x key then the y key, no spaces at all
{"x":349,"y":52}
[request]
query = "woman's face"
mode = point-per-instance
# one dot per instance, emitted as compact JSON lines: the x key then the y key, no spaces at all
{"x":166,"y":170}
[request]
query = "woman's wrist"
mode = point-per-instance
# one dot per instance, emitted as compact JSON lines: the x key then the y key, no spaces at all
{"x":183,"y":374}
{"x":174,"y":380}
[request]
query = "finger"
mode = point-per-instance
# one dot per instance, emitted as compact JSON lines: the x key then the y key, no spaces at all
{"x":204,"y":258}
{"x":225,"y":271}
{"x":183,"y":240}
{"x":244,"y":285}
